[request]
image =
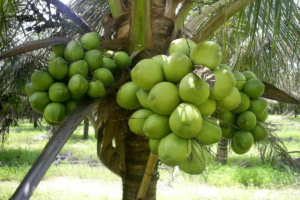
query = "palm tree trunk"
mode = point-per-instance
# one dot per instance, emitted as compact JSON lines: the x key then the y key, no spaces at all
{"x":54,"y":129}
{"x":35,"y":119}
{"x":221,"y":155}
{"x":30,"y":117}
{"x":136,"y":155}
{"x":86,"y":129}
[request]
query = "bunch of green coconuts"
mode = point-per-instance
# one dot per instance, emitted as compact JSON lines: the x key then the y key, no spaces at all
{"x":75,"y":70}
{"x":181,"y":113}
{"x":11,"y":99}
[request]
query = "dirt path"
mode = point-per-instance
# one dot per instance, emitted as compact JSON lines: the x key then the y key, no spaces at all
{"x":75,"y":188}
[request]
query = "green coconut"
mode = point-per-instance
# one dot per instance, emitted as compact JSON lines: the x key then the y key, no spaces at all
{"x":259,"y":132}
{"x":142,"y":96}
{"x":138,"y":119}
{"x":59,"y":49}
{"x":193,"y":89}
{"x":249,"y":75}
{"x":78,"y":84}
{"x":94,"y":58}
{"x":243,"y":140}
{"x":78,"y":67}
{"x":226,"y":67}
{"x":69,"y":106}
{"x":230,"y":102}
{"x":109,"y":54}
{"x":153,"y":144}
{"x":164,"y":98}
{"x":160,"y":59}
{"x":109,"y":64}
{"x":176,"y":67}
{"x":122,"y":60}
{"x":237,"y":151}
{"x":58,"y":68}
{"x":227,"y":131}
{"x":258,"y":106}
{"x":224,"y":84}
{"x":52,"y":56}
{"x":254,"y":88}
{"x":146,"y":74}
{"x":244,"y":105}
{"x":77,"y":97}
{"x":105,"y":76}
{"x":186,"y":121}
{"x":90,"y":41}
{"x":208,"y":54}
{"x":210,"y":133}
{"x":126,"y":96}
{"x":55,"y":112}
{"x":226,"y":118}
{"x":96,"y":89}
{"x":41,"y":81}
{"x":246,"y":120}
{"x":29,"y":89}
{"x":52,"y":123}
{"x":196,"y":162}
{"x":157,"y":127}
{"x":174,"y":150}
{"x":59,"y":92}
{"x":263,"y":117}
{"x":182,"y":45}
{"x":208,"y":107}
{"x":38,"y":101}
{"x":73,"y":51}
{"x":240,"y":80}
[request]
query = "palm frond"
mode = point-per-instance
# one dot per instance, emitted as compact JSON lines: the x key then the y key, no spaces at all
{"x":91,"y":11}
{"x":263,"y":38}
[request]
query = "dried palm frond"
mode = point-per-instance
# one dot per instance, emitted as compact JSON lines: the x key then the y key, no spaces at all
{"x":273,"y":148}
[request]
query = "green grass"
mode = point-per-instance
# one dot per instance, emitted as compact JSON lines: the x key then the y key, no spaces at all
{"x":262,"y":180}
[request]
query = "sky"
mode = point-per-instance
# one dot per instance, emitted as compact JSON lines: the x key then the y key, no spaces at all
{"x":65,"y":1}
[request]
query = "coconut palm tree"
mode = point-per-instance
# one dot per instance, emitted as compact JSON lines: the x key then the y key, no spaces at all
{"x":143,"y":29}
{"x":241,"y":58}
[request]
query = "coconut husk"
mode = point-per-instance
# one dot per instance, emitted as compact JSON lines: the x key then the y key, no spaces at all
{"x":110,"y":144}
{"x":106,"y":107}
{"x":205,"y":74}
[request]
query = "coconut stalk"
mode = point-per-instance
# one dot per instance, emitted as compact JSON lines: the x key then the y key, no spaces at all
{"x":34,"y":45}
{"x":140,"y":26}
{"x":217,"y":21}
{"x":182,"y":14}
{"x":116,"y":7}
{"x":147,"y":176}
{"x":195,"y":22}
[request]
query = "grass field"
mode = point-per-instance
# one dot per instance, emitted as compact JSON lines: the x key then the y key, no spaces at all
{"x":90,"y":180}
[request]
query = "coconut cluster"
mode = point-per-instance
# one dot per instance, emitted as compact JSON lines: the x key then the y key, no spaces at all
{"x":174,"y":104}
{"x":75,"y":70}
{"x":244,"y":124}
{"x":11,"y":99}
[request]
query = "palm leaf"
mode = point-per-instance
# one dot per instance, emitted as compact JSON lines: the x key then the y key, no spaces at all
{"x":30,"y":46}
{"x":70,"y":14}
